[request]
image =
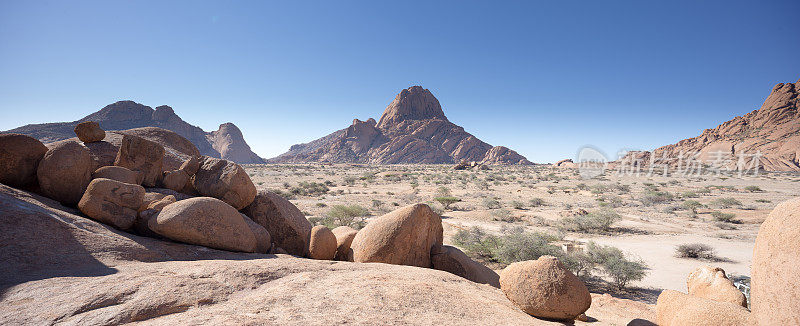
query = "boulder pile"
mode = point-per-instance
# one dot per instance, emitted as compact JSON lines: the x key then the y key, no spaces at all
{"x":712,"y":300}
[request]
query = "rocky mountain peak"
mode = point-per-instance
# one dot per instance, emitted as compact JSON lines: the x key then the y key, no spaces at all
{"x":413,"y":103}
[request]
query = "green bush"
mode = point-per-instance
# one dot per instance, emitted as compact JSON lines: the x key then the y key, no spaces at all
{"x":651,"y":197}
{"x":536,"y":202}
{"x":726,"y":202}
{"x":622,"y":271}
{"x":517,"y":204}
{"x":753,"y":189}
{"x":447,"y":201}
{"x":345,"y":215}
{"x":491,"y":203}
{"x":695,"y":251}
{"x":598,"y":221}
{"x":725,"y":217}
{"x":692,"y":205}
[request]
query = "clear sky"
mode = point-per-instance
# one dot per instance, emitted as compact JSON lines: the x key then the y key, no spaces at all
{"x":541,"y":77}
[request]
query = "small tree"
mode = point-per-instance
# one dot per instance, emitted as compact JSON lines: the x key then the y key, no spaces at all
{"x":692,"y":205}
{"x":447,"y":201}
{"x":622,"y":270}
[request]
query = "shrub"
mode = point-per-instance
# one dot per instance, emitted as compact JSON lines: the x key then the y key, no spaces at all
{"x":692,"y":205}
{"x":377,"y":203}
{"x":690,"y":194}
{"x":652,"y":197}
{"x":447,"y":201}
{"x":504,"y":215}
{"x":622,"y":270}
{"x":725,"y":217}
{"x":517,"y":204}
{"x":476,"y":242}
{"x":443,"y":192}
{"x":695,"y":251}
{"x":347,"y":215}
{"x":536,"y":202}
{"x":753,"y":189}
{"x":595,"y":222}
{"x":726,"y":202}
{"x":518,"y":245}
{"x":491,"y":203}
{"x":763,"y":201}
{"x":309,"y":189}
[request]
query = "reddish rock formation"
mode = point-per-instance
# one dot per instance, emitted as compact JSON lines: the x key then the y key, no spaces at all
{"x":773,"y":131}
{"x":412,"y":129}
{"x":227,"y":142}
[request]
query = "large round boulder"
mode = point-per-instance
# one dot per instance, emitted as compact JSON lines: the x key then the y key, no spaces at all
{"x":224,"y":180}
{"x":711,"y":283}
{"x":775,"y":293}
{"x":323,"y":243}
{"x":674,"y":308}
{"x":118,"y":173}
{"x":19,"y":158}
{"x":344,"y":238}
{"x":112,"y":202}
{"x":286,"y":224}
{"x":405,"y":236}
{"x":452,"y":260}
{"x":64,"y":172}
{"x":139,"y":154}
{"x":545,"y":288}
{"x":207,"y":222}
{"x":89,"y":132}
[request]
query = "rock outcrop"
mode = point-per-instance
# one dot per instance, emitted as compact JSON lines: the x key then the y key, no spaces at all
{"x":678,"y":309}
{"x":405,"y":236}
{"x":545,"y":288}
{"x":712,"y":283}
{"x":226,"y":143}
{"x":775,"y":293}
{"x":119,"y":173}
{"x":412,"y":129}
{"x":773,"y":131}
{"x":59,"y":267}
{"x":19,"y":157}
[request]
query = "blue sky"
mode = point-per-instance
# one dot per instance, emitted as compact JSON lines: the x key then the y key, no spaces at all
{"x":541,"y":77}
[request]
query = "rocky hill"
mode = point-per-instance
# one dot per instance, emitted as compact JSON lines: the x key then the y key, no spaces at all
{"x":412,"y":129}
{"x":773,"y":132}
{"x":227,"y":142}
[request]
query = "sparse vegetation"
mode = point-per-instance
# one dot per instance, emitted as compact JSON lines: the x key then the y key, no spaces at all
{"x":598,"y":221}
{"x":343,"y":215}
{"x":652,"y":197}
{"x":447,"y":201}
{"x":725,"y":217}
{"x":726,"y":202}
{"x":695,"y":251}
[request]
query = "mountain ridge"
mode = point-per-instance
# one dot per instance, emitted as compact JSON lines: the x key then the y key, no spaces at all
{"x":412,"y":129}
{"x":227,"y":142}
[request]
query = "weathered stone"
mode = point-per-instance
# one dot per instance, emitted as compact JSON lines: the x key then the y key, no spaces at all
{"x":452,"y":260}
{"x":119,"y":173}
{"x":286,"y":224}
{"x":323,"y":243}
{"x":207,"y":222}
{"x":775,"y":292}
{"x":112,"y":202}
{"x":263,"y":239}
{"x":19,"y":159}
{"x":405,"y":236}
{"x":139,"y":154}
{"x":224,"y":180}
{"x":190,"y":166}
{"x":674,"y":308}
{"x":711,"y":283}
{"x":545,"y":288}
{"x":64,"y":172}
{"x":344,"y":237}
{"x":89,"y":132}
{"x":175,"y":180}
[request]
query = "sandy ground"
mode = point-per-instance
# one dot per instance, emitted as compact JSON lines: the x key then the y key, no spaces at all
{"x":646,"y":231}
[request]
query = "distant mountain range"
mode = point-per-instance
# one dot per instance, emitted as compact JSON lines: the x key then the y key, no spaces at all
{"x":773,"y":131}
{"x":227,"y":142}
{"x":413,"y":129}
